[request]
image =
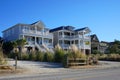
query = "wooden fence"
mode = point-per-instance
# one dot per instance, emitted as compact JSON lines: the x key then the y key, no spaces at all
{"x":76,"y":62}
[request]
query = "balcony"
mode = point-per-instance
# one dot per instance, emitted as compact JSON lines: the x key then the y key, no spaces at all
{"x":65,"y":46}
{"x":66,"y":36}
{"x":74,"y":37}
{"x":37,"y":33}
{"x":49,"y":45}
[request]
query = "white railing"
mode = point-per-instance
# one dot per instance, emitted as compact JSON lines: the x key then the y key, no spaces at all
{"x":74,"y":36}
{"x":49,"y":45}
{"x":86,"y":37}
{"x":34,"y":32}
{"x":65,"y":46}
{"x":31,"y":42}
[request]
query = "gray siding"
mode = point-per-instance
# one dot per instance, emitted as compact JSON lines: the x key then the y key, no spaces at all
{"x":12,"y":33}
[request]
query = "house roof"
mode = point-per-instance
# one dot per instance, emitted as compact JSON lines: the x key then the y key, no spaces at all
{"x":85,"y":28}
{"x":94,"y":38}
{"x":38,"y":23}
{"x":70,"y":28}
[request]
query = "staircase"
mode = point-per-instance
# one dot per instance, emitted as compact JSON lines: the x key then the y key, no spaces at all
{"x":47,"y":49}
{"x":42,"y":49}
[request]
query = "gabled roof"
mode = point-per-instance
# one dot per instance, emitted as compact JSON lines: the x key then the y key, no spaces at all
{"x":40,"y":24}
{"x":70,"y":28}
{"x":94,"y":38}
{"x":81,"y":29}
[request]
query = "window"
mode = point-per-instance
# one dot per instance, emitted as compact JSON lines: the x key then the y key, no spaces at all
{"x":60,"y":41}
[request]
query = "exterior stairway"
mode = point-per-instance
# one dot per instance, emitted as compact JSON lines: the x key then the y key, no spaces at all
{"x":42,"y":49}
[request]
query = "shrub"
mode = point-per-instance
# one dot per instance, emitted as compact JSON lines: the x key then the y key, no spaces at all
{"x":25,"y":56}
{"x":93,"y":59}
{"x":113,"y":57}
{"x":95,"y":52}
{"x":12,"y":55}
{"x":39,"y":56}
{"x":59,"y":54}
{"x":75,"y":53}
{"x":32,"y":56}
{"x":48,"y":57}
{"x":2,"y":59}
{"x":64,"y":61}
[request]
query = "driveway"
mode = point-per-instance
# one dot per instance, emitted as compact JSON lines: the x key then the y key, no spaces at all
{"x":47,"y":67}
{"x":37,"y":67}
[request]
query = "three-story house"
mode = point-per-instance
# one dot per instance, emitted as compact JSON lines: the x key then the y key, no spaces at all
{"x":67,"y":35}
{"x":36,"y":35}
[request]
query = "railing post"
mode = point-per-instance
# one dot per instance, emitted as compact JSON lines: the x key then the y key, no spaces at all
{"x":67,"y":62}
{"x":15,"y":62}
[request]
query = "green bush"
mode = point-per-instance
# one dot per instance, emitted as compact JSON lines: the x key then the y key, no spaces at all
{"x":59,"y":54}
{"x":32,"y":56}
{"x":109,"y":57}
{"x":95,"y":52}
{"x":12,"y":55}
{"x":48,"y":57}
{"x":39,"y":56}
{"x":64,"y":61}
{"x":25,"y":56}
{"x":113,"y":57}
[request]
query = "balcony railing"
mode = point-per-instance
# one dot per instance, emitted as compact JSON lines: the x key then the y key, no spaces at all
{"x":34,"y":32}
{"x":74,"y":36}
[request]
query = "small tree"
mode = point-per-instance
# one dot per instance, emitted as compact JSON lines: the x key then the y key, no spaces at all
{"x":20,"y":44}
{"x":7,"y":47}
{"x":14,"y":44}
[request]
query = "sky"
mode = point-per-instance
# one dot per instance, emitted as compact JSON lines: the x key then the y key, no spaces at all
{"x":101,"y":16}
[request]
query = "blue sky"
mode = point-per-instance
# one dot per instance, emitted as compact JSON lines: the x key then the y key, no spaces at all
{"x":101,"y":16}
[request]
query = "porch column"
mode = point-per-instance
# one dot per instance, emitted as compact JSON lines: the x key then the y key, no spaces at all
{"x":83,"y":42}
{"x":42,"y":40}
{"x":43,"y":31}
{"x":70,"y":37}
{"x":73,"y":41}
{"x":62,"y":34}
{"x":52,"y":41}
{"x":78,"y":44}
{"x":23,"y":36}
{"x":35,"y":39}
{"x":62,"y":43}
{"x":35,"y":29}
{"x":70,"y":42}
{"x":28,"y":29}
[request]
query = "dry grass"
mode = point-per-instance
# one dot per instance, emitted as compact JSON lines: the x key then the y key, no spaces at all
{"x":9,"y":70}
{"x":83,"y":67}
